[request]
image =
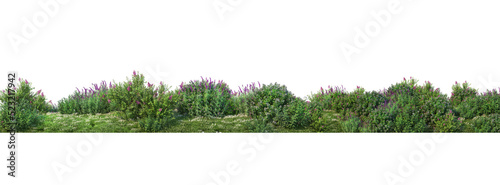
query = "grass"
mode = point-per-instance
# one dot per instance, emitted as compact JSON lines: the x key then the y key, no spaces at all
{"x":112,"y":123}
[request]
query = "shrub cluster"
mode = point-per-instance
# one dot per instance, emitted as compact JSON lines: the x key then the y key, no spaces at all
{"x":403,"y":107}
{"x":87,"y":101}
{"x":30,"y":107}
{"x":274,"y":104}
{"x":205,"y":98}
{"x":481,"y":104}
{"x":490,"y":123}
{"x":139,"y":100}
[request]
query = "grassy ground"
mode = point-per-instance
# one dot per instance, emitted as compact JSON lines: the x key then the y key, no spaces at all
{"x":111,"y":123}
{"x":67,"y":123}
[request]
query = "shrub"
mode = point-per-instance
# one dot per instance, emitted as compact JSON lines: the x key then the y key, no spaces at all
{"x":240,"y":97}
{"x":461,"y":92}
{"x":298,"y":113}
{"x":30,"y":107}
{"x":490,"y":123}
{"x":352,"y":124}
{"x":325,"y":97}
{"x":268,"y":102}
{"x":449,"y":124}
{"x":358,"y":102}
{"x":88,"y":101}
{"x":397,"y":116}
{"x":205,"y":98}
{"x":428,"y":103}
{"x":137,"y":101}
{"x":483,"y":104}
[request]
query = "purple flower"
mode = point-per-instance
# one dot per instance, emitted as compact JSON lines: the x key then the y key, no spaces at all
{"x":135,"y":73}
{"x":38,"y":92}
{"x":26,"y":81}
{"x":130,"y":83}
{"x":161,"y":82}
{"x":149,"y":85}
{"x":109,"y":101}
{"x":128,"y":88}
{"x":42,"y":95}
{"x":159,"y":110}
{"x":138,"y":102}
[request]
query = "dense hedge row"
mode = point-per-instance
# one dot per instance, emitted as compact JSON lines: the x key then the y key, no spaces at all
{"x":403,"y":107}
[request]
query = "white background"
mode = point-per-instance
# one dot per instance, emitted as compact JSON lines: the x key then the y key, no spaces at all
{"x":286,"y":159}
{"x":296,"y":43}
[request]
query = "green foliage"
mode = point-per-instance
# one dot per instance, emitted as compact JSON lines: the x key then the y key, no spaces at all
{"x":269,"y":102}
{"x":137,"y":101}
{"x":352,"y":124}
{"x":298,"y":113}
{"x":397,"y":117}
{"x":490,"y":123}
{"x":30,"y":107}
{"x":258,"y":125}
{"x":450,"y":123}
{"x":483,"y":104}
{"x":88,"y":101}
{"x":461,"y":92}
{"x":205,"y":98}
{"x":152,"y":124}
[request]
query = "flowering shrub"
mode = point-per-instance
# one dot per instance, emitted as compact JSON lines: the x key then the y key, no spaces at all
{"x":87,"y":101}
{"x":410,"y":108}
{"x":138,"y":99}
{"x":483,"y":104}
{"x":450,"y":123}
{"x":205,"y":98}
{"x":461,"y":92}
{"x":240,"y":97}
{"x":268,"y":101}
{"x":490,"y":123}
{"x":30,"y":107}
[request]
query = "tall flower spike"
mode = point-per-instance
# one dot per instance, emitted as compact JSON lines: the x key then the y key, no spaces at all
{"x":135,"y":73}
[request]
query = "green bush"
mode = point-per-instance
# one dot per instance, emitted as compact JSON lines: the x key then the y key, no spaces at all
{"x":298,"y":113}
{"x":426,"y":102}
{"x":483,"y":104}
{"x":398,"y":116}
{"x":352,"y":124}
{"x":205,"y":98}
{"x":30,"y":107}
{"x":239,"y":99}
{"x":450,"y":123}
{"x":268,"y":102}
{"x":88,"y":101}
{"x":490,"y":123}
{"x":137,"y":101}
{"x":461,"y":92}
